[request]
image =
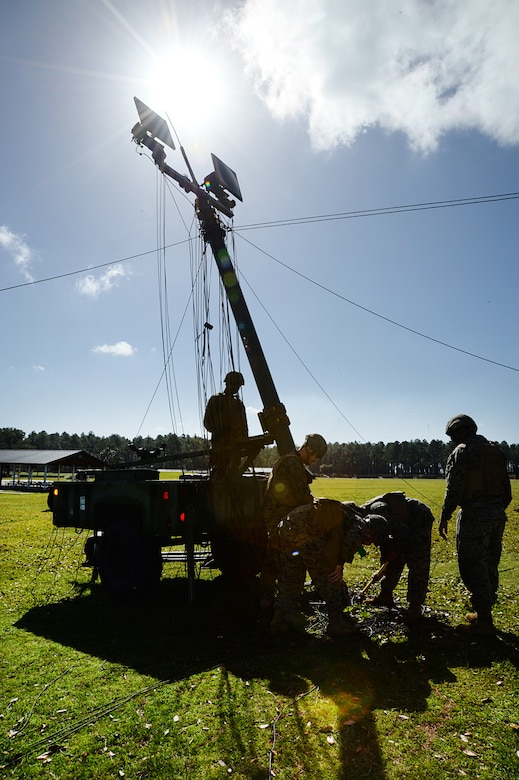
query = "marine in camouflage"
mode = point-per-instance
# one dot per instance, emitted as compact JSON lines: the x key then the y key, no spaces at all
{"x":317,"y":539}
{"x":226,"y":419}
{"x":410,"y":524}
{"x":477,"y":481}
{"x":288,"y":487}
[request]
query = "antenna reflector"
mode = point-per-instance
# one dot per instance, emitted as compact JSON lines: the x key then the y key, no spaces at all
{"x":226,"y":177}
{"x":154,"y":123}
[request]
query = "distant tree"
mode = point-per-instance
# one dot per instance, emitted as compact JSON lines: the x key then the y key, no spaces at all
{"x":54,"y":441}
{"x":12,"y":439}
{"x":69,"y":441}
{"x":406,"y":458}
{"x":266,"y":457}
{"x":38,"y":441}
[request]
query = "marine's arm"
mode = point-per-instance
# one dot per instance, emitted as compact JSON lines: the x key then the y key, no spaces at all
{"x":455,"y":474}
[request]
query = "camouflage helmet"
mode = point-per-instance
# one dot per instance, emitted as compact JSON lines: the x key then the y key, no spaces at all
{"x":234,"y":377}
{"x":378,"y":507}
{"x":316,"y":443}
{"x":378,"y":529}
{"x":461,"y":422}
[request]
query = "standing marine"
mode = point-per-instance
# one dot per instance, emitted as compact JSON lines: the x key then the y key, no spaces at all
{"x":226,"y":419}
{"x":477,"y":481}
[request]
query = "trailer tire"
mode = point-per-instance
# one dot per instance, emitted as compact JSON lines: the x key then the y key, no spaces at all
{"x":91,"y":551}
{"x":130,"y":563}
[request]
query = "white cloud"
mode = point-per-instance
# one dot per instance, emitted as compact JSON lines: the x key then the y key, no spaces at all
{"x":122,"y":348}
{"x":38,"y":368}
{"x":421,"y":67}
{"x":18,"y":249}
{"x":94,"y":286}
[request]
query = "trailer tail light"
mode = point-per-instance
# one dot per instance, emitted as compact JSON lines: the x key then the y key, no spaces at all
{"x":182,"y":517}
{"x":55,"y":492}
{"x":165,"y":495}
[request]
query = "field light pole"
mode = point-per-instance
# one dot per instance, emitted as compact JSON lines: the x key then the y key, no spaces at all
{"x":273,"y":418}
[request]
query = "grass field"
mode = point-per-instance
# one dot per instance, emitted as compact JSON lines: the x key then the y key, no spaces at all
{"x":92,"y":689}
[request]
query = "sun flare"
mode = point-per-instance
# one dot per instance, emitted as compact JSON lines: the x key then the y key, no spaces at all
{"x":188,"y":88}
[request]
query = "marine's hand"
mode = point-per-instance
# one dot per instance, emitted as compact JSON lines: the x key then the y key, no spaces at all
{"x":442,"y":527}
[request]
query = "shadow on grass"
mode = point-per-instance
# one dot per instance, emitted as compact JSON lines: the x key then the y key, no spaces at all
{"x":170,"y":640}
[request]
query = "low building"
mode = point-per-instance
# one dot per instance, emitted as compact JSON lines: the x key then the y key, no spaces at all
{"x":18,"y":468}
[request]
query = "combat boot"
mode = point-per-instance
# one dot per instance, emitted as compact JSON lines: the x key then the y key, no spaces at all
{"x":479,"y":624}
{"x":282,"y":622}
{"x":338,"y":627}
{"x":412,"y":615}
{"x":382,"y":600}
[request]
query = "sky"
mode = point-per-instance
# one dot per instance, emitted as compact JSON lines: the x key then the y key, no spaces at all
{"x":377,"y":149}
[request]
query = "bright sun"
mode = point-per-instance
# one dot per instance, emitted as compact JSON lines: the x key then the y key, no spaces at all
{"x":188,"y":88}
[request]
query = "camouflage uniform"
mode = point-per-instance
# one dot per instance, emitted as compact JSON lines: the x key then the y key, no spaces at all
{"x":316,"y":539}
{"x":288,"y":487}
{"x":478,"y":482}
{"x":310,"y":541}
{"x":410,"y":524}
{"x":226,"y":419}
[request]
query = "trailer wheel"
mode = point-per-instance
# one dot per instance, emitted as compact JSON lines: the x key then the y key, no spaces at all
{"x":130,"y":564}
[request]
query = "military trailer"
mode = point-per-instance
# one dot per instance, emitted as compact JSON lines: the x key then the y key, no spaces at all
{"x":134,"y":516}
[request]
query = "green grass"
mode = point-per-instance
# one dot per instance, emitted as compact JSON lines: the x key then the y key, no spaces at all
{"x":93,"y":689}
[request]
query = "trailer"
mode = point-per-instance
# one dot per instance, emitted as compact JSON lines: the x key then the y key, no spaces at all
{"x":134,"y":515}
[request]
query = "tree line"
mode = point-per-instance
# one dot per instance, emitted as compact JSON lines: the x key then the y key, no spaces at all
{"x":416,"y":458}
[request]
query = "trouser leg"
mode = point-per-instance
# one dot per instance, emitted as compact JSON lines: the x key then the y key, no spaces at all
{"x":292,"y":571}
{"x":472,"y":544}
{"x":495,"y":547}
{"x":392,"y":575}
{"x":331,"y":592}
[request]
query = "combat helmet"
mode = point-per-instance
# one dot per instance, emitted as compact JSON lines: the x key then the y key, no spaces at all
{"x":316,"y":443}
{"x":234,"y":377}
{"x":378,"y":529}
{"x":459,"y":423}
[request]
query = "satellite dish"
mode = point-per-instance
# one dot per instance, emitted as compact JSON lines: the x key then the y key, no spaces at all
{"x":154,"y":124}
{"x":226,"y":177}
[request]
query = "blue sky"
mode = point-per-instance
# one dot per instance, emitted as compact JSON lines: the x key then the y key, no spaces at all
{"x":322,"y":108}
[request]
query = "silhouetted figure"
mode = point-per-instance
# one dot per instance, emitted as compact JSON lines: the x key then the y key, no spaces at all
{"x":226,"y":419}
{"x":410,"y":523}
{"x":288,"y":487}
{"x":477,"y":481}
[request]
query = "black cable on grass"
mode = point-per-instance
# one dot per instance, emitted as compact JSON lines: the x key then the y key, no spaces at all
{"x":28,"y":717}
{"x":54,"y":553}
{"x":45,"y":556}
{"x":51,"y":741}
{"x":274,"y":724}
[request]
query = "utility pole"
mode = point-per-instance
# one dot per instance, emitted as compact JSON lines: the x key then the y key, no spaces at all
{"x":273,"y":418}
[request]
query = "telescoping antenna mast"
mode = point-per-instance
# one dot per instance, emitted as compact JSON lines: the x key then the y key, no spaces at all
{"x":211,"y":198}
